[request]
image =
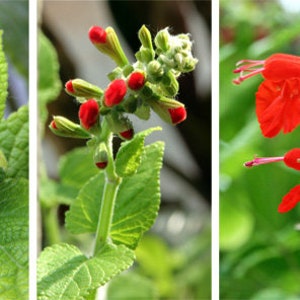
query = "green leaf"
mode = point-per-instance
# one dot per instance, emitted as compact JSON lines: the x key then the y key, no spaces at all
{"x":49,"y":84}
{"x":129,"y":156}
{"x":137,"y":201}
{"x":3,"y":79}
{"x":14,"y":142}
{"x":131,"y":286}
{"x":65,"y":273}
{"x":14,"y":22}
{"x":14,"y":239}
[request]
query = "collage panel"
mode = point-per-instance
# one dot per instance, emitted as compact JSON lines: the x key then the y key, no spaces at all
{"x":14,"y":149}
{"x":124,"y":96}
{"x":259,"y":158}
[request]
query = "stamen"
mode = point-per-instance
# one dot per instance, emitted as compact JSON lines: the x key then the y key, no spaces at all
{"x":262,"y":160}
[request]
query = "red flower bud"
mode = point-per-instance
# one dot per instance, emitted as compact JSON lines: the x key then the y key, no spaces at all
{"x":97,"y":35}
{"x":115,"y":92}
{"x":292,"y":159}
{"x":53,"y":125}
{"x":88,"y":113}
{"x":101,"y":165}
{"x":136,"y":81}
{"x":127,"y":134}
{"x":178,"y":114}
{"x":69,"y":87}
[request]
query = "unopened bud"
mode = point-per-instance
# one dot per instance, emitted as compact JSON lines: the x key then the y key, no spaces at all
{"x":115,"y":92}
{"x":136,"y":80}
{"x":82,"y":88}
{"x":155,"y":70}
{"x":62,"y":126}
{"x":108,"y":43}
{"x":127,"y":134}
{"x":162,"y":40}
{"x":170,"y":110}
{"x":100,"y":156}
{"x":89,"y":113}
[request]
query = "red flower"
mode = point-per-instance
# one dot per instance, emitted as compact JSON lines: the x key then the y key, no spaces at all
{"x":278,"y":106}
{"x":89,"y":113}
{"x":115,"y":92}
{"x":177,"y":115}
{"x":290,"y":200}
{"x":136,"y":81}
{"x":277,"y":67}
{"x":97,"y":35}
{"x":292,"y":158}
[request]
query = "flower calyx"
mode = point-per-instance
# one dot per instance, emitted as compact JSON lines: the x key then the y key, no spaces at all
{"x":101,"y":156}
{"x":63,"y":127}
{"x":82,"y":89}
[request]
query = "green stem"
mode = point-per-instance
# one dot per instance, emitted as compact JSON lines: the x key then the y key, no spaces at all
{"x":112,"y":183}
{"x":51,"y":225}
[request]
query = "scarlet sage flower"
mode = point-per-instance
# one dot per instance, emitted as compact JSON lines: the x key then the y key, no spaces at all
{"x":278,"y":97}
{"x":292,"y":160}
{"x":115,"y":92}
{"x":290,"y":200}
{"x":89,"y":113}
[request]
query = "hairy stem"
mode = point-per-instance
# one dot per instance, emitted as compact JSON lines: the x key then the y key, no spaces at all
{"x":111,"y":187}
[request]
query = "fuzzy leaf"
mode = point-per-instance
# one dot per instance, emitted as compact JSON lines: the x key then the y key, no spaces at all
{"x":137,"y":201}
{"x":65,"y":273}
{"x":49,"y":84}
{"x":3,"y":79}
{"x":14,"y":142}
{"x":14,"y":239}
{"x":129,"y":156}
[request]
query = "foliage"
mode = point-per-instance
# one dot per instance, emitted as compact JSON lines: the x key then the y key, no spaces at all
{"x":260,"y":250}
{"x":14,"y":195}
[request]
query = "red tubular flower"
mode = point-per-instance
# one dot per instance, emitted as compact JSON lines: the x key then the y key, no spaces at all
{"x":89,"y":113}
{"x":278,"y":106}
{"x":115,"y":92}
{"x":97,"y":35}
{"x":136,"y":81}
{"x":277,"y":67}
{"x":177,"y":115}
{"x":290,"y":200}
{"x":292,"y":158}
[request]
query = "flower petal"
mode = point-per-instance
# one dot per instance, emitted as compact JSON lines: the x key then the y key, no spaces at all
{"x":290,"y":200}
{"x":278,"y":106}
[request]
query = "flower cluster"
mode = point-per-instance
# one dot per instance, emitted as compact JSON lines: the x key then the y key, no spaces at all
{"x":150,"y":83}
{"x":277,"y":107}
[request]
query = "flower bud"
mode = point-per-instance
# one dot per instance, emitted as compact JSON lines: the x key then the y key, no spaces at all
{"x":119,"y":124}
{"x":162,"y":40}
{"x":136,"y":80}
{"x":82,"y":88}
{"x":108,"y":43}
{"x":169,"y":85}
{"x":97,"y":35}
{"x":145,"y":37}
{"x":89,"y":113}
{"x":62,"y":126}
{"x":155,"y":70}
{"x":100,"y":156}
{"x":115,"y":92}
{"x":127,"y":134}
{"x":170,"y":110}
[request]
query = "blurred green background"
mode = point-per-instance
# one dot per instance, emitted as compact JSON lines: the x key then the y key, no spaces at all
{"x":259,"y":248}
